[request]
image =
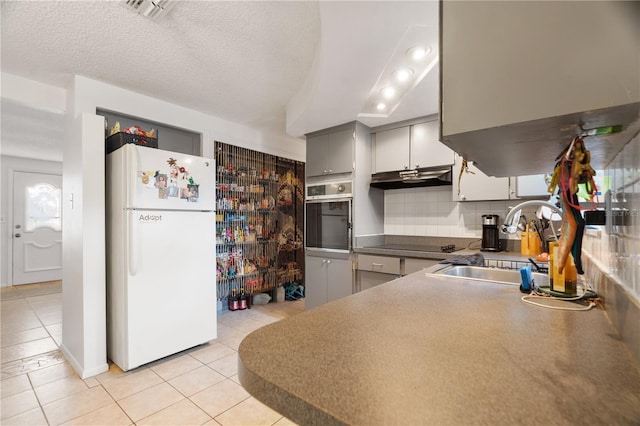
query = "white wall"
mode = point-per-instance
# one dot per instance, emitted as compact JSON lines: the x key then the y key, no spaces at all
{"x":33,"y":93}
{"x":91,"y":94}
{"x":7,"y":166}
{"x":84,"y":324}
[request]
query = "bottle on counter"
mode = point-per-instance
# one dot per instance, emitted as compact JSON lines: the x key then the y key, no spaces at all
{"x":243,"y":299}
{"x":233,"y":301}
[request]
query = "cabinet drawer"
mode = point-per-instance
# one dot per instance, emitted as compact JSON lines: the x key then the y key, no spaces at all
{"x":412,"y":265}
{"x":367,"y":279}
{"x":384,"y":264}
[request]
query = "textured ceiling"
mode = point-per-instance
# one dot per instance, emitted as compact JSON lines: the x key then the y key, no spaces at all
{"x":241,"y":61}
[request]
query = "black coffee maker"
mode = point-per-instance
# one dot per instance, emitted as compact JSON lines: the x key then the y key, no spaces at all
{"x":490,"y":233}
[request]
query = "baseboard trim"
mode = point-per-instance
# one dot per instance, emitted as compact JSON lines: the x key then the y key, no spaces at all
{"x":84,"y":373}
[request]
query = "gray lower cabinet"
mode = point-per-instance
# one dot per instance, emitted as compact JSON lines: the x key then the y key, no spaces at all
{"x":412,"y":265}
{"x":367,"y":279}
{"x":375,"y":270}
{"x":326,"y":279}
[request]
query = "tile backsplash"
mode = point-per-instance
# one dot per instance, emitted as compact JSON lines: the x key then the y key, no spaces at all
{"x":616,"y":246}
{"x":432,"y":212}
{"x":612,"y":252}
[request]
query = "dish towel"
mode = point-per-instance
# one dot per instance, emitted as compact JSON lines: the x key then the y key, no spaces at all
{"x":466,"y":259}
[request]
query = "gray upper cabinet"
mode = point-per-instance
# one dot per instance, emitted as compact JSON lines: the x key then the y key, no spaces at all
{"x":529,"y":186}
{"x":392,"y":150}
{"x":519,"y":79}
{"x":426,"y":148}
{"x":330,"y":153}
{"x":317,"y":153}
{"x":477,"y":186}
{"x":411,"y":147}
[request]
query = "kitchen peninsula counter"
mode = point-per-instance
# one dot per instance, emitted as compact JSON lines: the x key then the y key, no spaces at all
{"x":441,"y":350}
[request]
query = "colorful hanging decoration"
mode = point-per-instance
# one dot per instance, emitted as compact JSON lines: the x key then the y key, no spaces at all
{"x":572,"y":168}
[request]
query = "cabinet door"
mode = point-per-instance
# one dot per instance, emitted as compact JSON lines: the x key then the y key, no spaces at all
{"x":520,"y":49}
{"x":317,"y":151}
{"x":383,"y":264}
{"x":315,"y":278}
{"x":392,"y":150}
{"x":426,"y":149}
{"x":529,"y":186}
{"x":369,"y":279}
{"x":340,"y":156}
{"x":412,"y":265}
{"x":339,"y":279}
{"x":476,"y":186}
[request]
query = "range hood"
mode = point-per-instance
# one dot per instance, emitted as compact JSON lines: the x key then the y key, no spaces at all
{"x":426,"y":176}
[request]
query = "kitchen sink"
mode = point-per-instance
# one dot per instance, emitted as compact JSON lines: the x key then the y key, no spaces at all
{"x":506,"y":276}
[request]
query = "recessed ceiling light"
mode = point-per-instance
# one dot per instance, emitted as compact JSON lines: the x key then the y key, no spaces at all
{"x":388,"y":92}
{"x":418,"y":52}
{"x":415,"y":55}
{"x":403,"y":74}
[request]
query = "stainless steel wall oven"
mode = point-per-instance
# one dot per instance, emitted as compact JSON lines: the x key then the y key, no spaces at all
{"x":328,"y":216}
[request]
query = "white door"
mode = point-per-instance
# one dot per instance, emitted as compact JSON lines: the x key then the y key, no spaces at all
{"x":37,"y":227}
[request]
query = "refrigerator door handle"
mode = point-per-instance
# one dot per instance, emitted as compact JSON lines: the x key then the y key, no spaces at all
{"x":132,"y":248}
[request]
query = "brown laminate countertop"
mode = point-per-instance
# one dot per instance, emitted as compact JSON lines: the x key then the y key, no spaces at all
{"x":437,"y":350}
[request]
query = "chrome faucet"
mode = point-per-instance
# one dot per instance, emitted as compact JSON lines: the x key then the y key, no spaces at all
{"x":546,"y":210}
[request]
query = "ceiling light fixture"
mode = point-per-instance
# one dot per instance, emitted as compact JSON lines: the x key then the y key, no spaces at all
{"x":418,"y":53}
{"x":152,"y":9}
{"x":388,"y":92}
{"x":413,"y":58}
{"x":403,"y":74}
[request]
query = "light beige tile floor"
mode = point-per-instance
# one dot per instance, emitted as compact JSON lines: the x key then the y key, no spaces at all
{"x":195,"y":387}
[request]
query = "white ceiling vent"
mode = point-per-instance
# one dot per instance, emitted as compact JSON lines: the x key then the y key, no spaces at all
{"x":152,"y":9}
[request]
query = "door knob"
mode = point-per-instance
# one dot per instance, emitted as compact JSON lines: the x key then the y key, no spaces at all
{"x":17,"y":235}
{"x":17,"y":226}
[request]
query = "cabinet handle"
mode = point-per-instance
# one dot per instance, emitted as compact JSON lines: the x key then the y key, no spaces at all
{"x":329,"y":261}
{"x":417,"y":166}
{"x":330,"y":170}
{"x":377,"y":264}
{"x":324,"y":172}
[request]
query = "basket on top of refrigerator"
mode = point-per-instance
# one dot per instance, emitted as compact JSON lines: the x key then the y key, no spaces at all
{"x":133,"y":134}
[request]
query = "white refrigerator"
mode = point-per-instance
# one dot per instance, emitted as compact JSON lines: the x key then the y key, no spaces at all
{"x":161,"y":290}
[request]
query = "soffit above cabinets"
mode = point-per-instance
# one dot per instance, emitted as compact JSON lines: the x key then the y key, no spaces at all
{"x":532,"y":147}
{"x":519,"y":80}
